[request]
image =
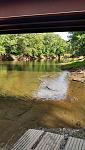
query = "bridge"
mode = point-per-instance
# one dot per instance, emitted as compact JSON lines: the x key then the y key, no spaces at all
{"x":22,"y":16}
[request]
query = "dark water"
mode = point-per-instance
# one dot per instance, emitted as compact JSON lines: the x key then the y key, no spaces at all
{"x":64,"y":100}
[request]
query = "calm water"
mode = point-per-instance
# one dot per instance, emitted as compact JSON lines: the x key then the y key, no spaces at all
{"x":63,"y":100}
{"x":24,"y":79}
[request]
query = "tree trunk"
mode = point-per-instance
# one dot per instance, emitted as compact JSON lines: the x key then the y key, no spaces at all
{"x":58,"y":58}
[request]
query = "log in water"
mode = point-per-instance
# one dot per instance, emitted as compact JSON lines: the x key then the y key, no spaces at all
{"x":53,"y":88}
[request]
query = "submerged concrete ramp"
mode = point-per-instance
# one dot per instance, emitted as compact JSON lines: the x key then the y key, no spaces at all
{"x":27,"y":141}
{"x":40,"y":140}
{"x":50,"y":141}
{"x":75,"y":144}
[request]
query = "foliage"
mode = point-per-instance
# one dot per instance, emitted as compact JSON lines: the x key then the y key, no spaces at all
{"x":74,"y":65}
{"x":77,"y":43}
{"x":38,"y":45}
{"x":33,"y":45}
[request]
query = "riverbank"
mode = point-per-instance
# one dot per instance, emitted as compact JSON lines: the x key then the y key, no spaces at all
{"x":78,"y":76}
{"x":76,"y":69}
{"x":73,"y":66}
{"x":10,"y":57}
{"x":78,"y":133}
{"x":70,"y":65}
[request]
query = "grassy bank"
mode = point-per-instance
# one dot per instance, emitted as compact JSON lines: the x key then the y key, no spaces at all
{"x":73,"y":65}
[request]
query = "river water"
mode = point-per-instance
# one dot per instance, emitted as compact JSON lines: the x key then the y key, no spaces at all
{"x":59,"y":101}
{"x":54,"y":87}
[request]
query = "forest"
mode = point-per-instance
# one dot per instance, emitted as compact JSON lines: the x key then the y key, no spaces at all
{"x":41,"y":46}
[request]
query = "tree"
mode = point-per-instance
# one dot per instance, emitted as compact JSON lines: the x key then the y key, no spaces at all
{"x":77,"y":40}
{"x":33,"y":45}
{"x":54,"y":45}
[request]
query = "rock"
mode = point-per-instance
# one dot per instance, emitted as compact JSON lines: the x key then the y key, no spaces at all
{"x":7,"y":57}
{"x":78,"y":124}
{"x":78,"y":76}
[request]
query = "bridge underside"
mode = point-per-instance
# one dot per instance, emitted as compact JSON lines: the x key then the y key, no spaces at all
{"x":22,"y":16}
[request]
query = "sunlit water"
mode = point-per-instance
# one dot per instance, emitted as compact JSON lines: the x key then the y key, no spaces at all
{"x":54,"y":88}
{"x":24,"y":79}
{"x":61,"y":102}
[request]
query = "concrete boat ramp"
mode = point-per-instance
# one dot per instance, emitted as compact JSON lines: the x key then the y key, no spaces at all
{"x":40,"y":140}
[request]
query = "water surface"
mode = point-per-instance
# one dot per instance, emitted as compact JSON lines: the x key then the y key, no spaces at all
{"x":54,"y":87}
{"x":58,"y":102}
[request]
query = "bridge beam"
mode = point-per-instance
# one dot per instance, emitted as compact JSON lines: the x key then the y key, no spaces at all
{"x":41,"y":16}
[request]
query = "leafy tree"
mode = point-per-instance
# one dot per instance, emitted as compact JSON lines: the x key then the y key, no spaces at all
{"x":77,"y":40}
{"x":54,"y":45}
{"x":33,"y":45}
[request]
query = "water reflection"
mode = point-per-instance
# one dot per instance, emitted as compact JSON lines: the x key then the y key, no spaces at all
{"x":54,"y":88}
{"x":22,"y":78}
{"x":32,"y":66}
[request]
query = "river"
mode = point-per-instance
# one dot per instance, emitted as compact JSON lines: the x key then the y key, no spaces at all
{"x":50,"y":99}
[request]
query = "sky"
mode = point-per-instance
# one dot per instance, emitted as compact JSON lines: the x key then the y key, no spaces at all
{"x":64,"y":35}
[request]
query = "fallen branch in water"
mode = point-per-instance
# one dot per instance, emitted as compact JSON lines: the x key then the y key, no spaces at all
{"x":50,"y":88}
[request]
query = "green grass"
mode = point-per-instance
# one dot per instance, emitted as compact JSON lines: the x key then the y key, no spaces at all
{"x":73,"y":65}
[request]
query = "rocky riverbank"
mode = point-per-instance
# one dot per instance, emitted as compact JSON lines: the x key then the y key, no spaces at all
{"x":10,"y":57}
{"x":78,"y":75}
{"x":78,"y":133}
